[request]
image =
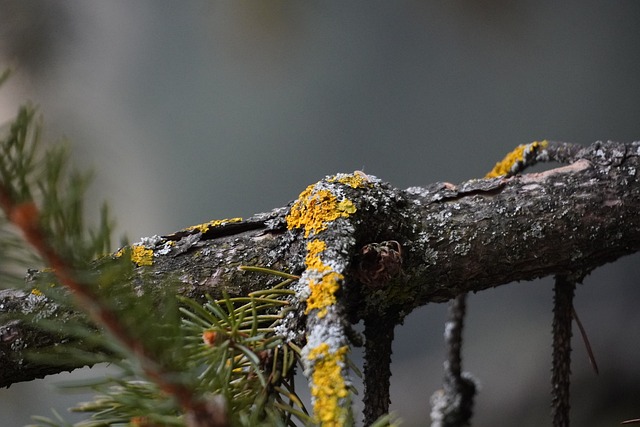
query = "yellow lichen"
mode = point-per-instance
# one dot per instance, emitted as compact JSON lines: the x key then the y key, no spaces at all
{"x":347,"y":207}
{"x":328,"y":385}
{"x":314,"y":248}
{"x":504,"y":166}
{"x":141,"y":255}
{"x":203,"y":228}
{"x":357,"y":179}
{"x":315,"y":209}
{"x":322,"y":292}
{"x":37,"y":292}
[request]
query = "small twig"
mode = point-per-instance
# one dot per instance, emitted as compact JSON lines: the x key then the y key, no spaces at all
{"x":453,"y":405}
{"x":585,"y":340}
{"x":453,"y":337}
{"x":561,"y":365}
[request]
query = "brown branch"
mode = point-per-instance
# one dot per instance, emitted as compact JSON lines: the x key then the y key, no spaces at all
{"x":573,"y":218}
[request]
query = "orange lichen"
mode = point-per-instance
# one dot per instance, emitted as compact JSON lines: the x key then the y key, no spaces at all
{"x":505,"y":166}
{"x":203,"y":228}
{"x":316,"y":208}
{"x":328,"y":386}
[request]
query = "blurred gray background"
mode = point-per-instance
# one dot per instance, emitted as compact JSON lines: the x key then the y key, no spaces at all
{"x":194,"y":110}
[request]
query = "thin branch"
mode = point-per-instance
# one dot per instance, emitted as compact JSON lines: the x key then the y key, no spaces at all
{"x":561,"y":365}
{"x":585,"y":340}
{"x":453,"y":405}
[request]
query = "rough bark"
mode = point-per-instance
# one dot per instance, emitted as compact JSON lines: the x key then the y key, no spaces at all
{"x":453,"y":239}
{"x":561,"y":367}
{"x":377,"y":367}
{"x":452,"y":406}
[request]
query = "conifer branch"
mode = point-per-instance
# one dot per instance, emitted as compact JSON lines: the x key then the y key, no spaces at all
{"x":25,"y":216}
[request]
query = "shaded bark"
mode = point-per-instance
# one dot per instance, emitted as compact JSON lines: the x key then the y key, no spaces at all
{"x":378,"y":332}
{"x":561,"y":366}
{"x":572,"y":218}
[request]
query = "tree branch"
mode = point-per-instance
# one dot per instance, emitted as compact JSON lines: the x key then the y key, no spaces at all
{"x":452,"y":406}
{"x":572,"y":218}
{"x":561,"y":367}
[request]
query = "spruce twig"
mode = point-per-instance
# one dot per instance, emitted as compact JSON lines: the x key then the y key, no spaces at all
{"x":16,"y":200}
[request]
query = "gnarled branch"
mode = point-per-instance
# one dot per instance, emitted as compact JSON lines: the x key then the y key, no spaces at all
{"x":452,"y":239}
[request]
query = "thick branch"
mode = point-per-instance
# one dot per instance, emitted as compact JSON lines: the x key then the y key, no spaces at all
{"x":572,"y":218}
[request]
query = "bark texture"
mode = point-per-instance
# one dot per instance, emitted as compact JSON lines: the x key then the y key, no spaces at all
{"x":377,"y":367}
{"x":452,"y":239}
{"x":564,"y":289}
{"x":452,"y":406}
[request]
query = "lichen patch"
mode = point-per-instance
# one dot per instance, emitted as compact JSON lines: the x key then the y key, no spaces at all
{"x":317,"y":207}
{"x":320,"y":207}
{"x":141,"y":256}
{"x":323,"y":281}
{"x":518,"y":158}
{"x":329,"y":388}
{"x":203,"y":228}
{"x":358,"y":179}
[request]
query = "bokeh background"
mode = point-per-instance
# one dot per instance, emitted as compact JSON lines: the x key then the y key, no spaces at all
{"x":194,"y":110}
